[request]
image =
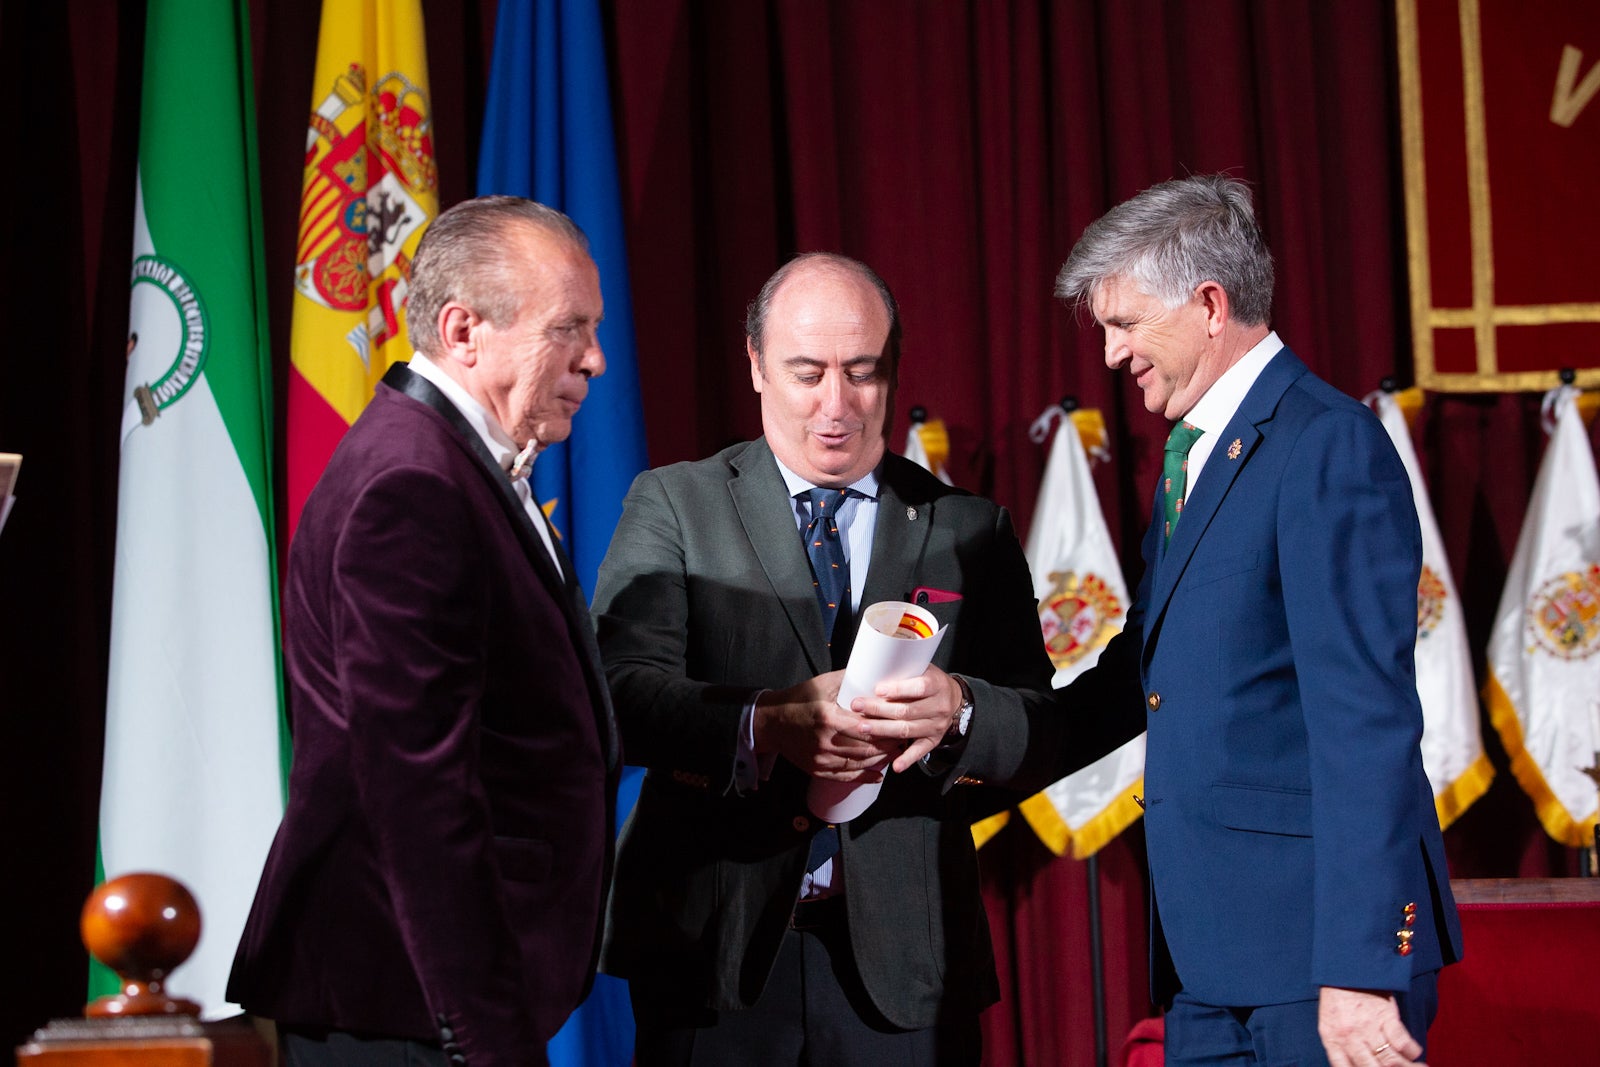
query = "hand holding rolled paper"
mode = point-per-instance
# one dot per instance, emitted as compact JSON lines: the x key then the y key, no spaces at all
{"x":896,"y":640}
{"x":806,"y":726}
{"x":913,"y":715}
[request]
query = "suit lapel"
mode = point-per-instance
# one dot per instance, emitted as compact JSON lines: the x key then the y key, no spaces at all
{"x":582,"y":627}
{"x":762,"y":501}
{"x":418,"y":388}
{"x":904,"y":523}
{"x":1221,"y":472}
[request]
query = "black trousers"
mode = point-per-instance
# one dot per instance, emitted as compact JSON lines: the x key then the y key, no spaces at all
{"x":814,"y":1012}
{"x":339,"y":1048}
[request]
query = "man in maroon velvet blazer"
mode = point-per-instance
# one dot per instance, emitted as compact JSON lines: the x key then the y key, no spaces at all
{"x":435,"y":892}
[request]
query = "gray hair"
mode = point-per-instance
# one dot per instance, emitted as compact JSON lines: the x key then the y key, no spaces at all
{"x":1171,"y":238}
{"x":755,"y":316}
{"x":466,"y":256}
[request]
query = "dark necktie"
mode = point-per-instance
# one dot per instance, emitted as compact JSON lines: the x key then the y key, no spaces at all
{"x":829,"y":572}
{"x":830,"y":575}
{"x":1175,"y":471}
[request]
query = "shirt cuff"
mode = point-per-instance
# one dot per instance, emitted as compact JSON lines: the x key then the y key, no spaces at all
{"x":749,"y":769}
{"x":947,"y":753}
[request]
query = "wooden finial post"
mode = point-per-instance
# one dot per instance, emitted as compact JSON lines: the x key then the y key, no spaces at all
{"x":142,"y":926}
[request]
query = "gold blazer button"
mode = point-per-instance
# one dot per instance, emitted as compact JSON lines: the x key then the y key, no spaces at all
{"x":1154,"y":700}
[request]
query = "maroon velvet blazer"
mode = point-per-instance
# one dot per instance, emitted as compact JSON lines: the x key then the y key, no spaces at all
{"x":441,"y":868}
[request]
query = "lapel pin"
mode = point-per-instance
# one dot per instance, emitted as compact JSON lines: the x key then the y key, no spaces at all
{"x":911,"y":514}
{"x":1235,"y":448}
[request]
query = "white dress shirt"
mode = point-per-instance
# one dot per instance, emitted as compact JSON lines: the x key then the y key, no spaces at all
{"x":499,"y":443}
{"x":1217,"y":407}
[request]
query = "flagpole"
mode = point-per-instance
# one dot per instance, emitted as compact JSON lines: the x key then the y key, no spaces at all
{"x":1097,"y":977}
{"x":1589,"y":854}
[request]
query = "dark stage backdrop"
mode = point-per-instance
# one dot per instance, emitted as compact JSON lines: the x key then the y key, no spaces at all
{"x":959,"y":147}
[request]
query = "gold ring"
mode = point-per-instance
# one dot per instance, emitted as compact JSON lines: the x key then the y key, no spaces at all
{"x":1380,"y":1049}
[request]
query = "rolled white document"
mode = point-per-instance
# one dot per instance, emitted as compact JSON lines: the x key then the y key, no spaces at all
{"x":896,"y":640}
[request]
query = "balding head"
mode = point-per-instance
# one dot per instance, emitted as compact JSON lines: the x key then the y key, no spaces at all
{"x":820,"y":338}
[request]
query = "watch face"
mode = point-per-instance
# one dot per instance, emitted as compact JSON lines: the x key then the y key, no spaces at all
{"x":963,"y":719}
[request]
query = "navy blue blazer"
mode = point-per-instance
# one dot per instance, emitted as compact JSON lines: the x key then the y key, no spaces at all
{"x":1292,"y":836}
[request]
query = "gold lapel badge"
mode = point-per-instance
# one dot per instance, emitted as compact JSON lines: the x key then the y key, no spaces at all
{"x":1235,"y":448}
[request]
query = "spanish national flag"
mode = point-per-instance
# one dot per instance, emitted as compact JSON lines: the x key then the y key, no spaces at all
{"x":371,"y":188}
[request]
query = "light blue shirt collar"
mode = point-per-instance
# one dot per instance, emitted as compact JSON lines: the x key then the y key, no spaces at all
{"x":866,"y":485}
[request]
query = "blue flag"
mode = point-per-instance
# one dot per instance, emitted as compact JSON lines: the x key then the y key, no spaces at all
{"x":547,"y":136}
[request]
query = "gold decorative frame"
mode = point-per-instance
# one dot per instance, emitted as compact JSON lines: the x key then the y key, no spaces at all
{"x":1484,"y":315}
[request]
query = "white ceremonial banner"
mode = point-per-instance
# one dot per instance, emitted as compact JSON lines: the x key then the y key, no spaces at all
{"x":1452,"y":742}
{"x":1544,"y":650}
{"x":928,"y":446}
{"x":1082,"y":602}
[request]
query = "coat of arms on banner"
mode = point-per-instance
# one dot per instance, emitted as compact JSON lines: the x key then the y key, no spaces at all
{"x":1564,"y":615}
{"x":1431,"y":595}
{"x":1077,"y":616}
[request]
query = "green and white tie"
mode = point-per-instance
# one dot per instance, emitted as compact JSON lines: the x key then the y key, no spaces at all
{"x":1175,"y":471}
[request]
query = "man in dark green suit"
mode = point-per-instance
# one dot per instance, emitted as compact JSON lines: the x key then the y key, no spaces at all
{"x":750,"y":930}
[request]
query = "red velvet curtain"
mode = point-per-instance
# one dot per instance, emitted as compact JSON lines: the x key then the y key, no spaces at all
{"x":958,"y":147}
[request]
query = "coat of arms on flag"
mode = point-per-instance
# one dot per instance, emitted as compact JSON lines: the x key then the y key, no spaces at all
{"x":1077,"y":615}
{"x":1564,"y":614}
{"x":360,"y":207}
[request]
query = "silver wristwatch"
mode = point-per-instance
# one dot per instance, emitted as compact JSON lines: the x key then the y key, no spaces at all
{"x":963,"y":720}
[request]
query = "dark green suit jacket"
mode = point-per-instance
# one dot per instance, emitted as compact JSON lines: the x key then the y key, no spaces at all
{"x":704,"y":598}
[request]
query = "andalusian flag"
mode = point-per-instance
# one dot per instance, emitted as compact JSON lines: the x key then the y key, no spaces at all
{"x":193,"y":783}
{"x":1452,"y":744}
{"x":1544,"y":652}
{"x":928,"y":445}
{"x":547,"y":135}
{"x":370,"y":189}
{"x":1082,"y":602}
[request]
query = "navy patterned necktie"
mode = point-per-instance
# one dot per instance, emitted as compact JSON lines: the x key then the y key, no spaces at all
{"x":830,"y":576}
{"x":830,"y":572}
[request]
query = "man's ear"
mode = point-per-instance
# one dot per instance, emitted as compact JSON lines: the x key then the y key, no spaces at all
{"x":458,"y":325}
{"x":1214,"y":301}
{"x":756,"y":377}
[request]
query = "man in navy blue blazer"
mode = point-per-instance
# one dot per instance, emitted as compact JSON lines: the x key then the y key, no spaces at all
{"x":1299,"y":902}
